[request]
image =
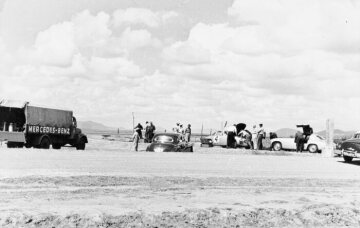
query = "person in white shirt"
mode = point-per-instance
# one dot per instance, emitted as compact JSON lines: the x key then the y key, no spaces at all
{"x":255,"y":137}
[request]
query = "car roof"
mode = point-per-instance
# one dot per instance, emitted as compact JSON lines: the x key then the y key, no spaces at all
{"x":168,"y":134}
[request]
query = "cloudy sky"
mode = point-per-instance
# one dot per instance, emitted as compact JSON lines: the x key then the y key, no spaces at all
{"x":280,"y":62}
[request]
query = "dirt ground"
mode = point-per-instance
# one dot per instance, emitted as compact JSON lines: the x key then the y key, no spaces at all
{"x":108,"y":185}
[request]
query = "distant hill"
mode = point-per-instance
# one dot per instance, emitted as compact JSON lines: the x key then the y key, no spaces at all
{"x":338,"y":133}
{"x":94,"y":126}
{"x":285,"y":132}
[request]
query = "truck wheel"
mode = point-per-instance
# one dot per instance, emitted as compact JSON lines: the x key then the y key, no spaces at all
{"x":348,"y":159}
{"x":312,"y":148}
{"x":45,"y":143}
{"x":81,"y":144}
{"x":277,"y":146}
{"x":11,"y":145}
{"x":56,"y":146}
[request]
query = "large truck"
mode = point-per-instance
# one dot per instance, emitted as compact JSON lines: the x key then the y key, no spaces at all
{"x":22,"y":124}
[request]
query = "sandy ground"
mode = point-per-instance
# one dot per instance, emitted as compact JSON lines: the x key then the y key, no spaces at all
{"x":108,"y":185}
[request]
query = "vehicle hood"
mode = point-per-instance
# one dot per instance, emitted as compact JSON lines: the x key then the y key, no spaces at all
{"x":240,"y":127}
{"x":307,"y":130}
{"x":351,"y":144}
{"x":161,"y":147}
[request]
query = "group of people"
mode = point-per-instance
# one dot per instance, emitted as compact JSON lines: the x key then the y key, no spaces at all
{"x":185,"y":133}
{"x":149,"y":133}
{"x":252,"y":139}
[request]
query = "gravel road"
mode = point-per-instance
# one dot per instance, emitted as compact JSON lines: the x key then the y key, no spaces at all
{"x":109,"y":186}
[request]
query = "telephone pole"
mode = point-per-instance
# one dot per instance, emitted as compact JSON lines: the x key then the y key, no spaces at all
{"x":133,"y":121}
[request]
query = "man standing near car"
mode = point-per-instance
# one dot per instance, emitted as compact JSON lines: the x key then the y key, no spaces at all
{"x":261,"y":136}
{"x":188,"y":133}
{"x":299,"y":140}
{"x":231,"y":133}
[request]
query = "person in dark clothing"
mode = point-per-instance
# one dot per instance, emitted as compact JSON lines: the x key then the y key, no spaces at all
{"x":231,"y":133}
{"x":188,"y":133}
{"x":299,"y":140}
{"x":261,"y":136}
{"x":147,"y":127}
{"x":139,"y":129}
{"x":151,"y":131}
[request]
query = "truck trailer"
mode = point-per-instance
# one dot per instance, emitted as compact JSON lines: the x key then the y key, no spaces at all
{"x":22,"y":124}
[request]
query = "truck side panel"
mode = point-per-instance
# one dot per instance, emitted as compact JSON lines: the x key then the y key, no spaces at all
{"x":48,"y":117}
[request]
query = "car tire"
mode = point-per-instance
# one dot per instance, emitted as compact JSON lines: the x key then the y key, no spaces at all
{"x":277,"y":146}
{"x":312,"y":148}
{"x":348,"y":159}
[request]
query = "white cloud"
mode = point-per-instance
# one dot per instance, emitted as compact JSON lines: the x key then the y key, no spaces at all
{"x":297,"y":25}
{"x":55,"y":46}
{"x":91,"y":31}
{"x":142,"y":16}
{"x":134,"y":39}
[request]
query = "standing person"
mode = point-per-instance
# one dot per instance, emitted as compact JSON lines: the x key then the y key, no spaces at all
{"x":255,"y":137}
{"x":138,"y":129}
{"x":299,"y":140}
{"x":147,"y":127}
{"x":136,"y":139}
{"x":152,"y":128}
{"x":261,"y":136}
{"x":246,"y":135}
{"x":231,"y":133}
{"x":176,"y":128}
{"x":181,"y":132}
{"x":188,"y":133}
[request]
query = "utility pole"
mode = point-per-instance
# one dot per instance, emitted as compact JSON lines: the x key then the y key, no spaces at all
{"x":329,"y":149}
{"x":133,"y":121}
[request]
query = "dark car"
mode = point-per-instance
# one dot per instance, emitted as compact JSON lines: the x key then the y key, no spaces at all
{"x":169,"y":142}
{"x":351,"y":148}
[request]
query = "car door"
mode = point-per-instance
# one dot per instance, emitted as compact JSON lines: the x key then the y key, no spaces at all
{"x":288,"y":143}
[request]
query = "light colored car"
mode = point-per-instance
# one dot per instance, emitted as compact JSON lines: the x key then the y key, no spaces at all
{"x":219,"y":138}
{"x":315,"y":143}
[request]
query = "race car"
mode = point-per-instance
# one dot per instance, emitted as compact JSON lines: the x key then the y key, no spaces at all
{"x":219,"y":138}
{"x":313,"y":142}
{"x":169,"y":142}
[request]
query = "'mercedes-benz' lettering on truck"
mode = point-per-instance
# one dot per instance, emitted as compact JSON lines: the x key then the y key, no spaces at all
{"x":22,"y":124}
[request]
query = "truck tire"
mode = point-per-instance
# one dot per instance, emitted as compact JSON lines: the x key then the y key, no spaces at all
{"x":81,"y":144}
{"x":11,"y":145}
{"x":45,"y":143}
{"x":56,"y":146}
{"x":348,"y":159}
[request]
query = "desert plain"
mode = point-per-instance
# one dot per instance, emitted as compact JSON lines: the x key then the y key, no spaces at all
{"x":109,"y":185}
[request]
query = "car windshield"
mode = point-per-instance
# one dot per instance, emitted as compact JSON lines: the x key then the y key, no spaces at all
{"x":320,"y":137}
{"x":357,"y":136}
{"x":164,"y":139}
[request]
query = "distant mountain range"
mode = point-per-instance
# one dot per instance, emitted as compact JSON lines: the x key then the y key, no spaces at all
{"x":288,"y":132}
{"x":89,"y":126}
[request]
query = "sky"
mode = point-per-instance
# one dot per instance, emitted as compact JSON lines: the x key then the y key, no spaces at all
{"x":276,"y":62}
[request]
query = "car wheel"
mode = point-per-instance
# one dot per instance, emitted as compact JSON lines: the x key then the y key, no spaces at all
{"x":312,"y":148}
{"x":276,"y":146}
{"x":348,"y":159}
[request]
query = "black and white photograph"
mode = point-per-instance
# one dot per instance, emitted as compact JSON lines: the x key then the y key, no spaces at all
{"x":179,"y":113}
